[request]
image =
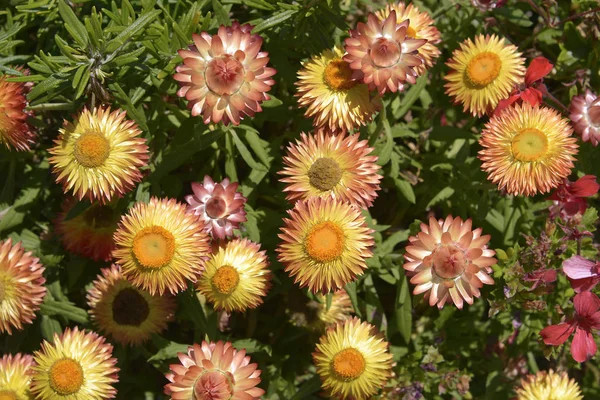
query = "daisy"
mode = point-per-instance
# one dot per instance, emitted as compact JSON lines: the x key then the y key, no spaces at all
{"x":15,"y":377}
{"x":549,"y":385}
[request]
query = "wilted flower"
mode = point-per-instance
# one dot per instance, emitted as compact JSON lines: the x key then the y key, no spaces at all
{"x":214,"y":371}
{"x":219,"y":205}
{"x":586,"y":319}
{"x":382,"y":54}
{"x":547,"y":385}
{"x":585,"y":114}
{"x":224,"y":76}
{"x":449,"y":262}
{"x":487,"y":5}
{"x":583,"y":273}
{"x":569,"y":197}
{"x":15,"y":133}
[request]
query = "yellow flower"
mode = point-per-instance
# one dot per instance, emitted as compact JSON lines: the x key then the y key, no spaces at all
{"x":15,"y":377}
{"x":160,"y":246}
{"x":21,"y":286}
{"x":14,"y":131}
{"x":549,"y":385}
{"x":326,"y":165}
{"x":99,"y":155}
{"x":324,"y":244}
{"x":76,"y":366}
{"x":128,"y":314}
{"x":339,"y":310}
{"x":335,"y":100}
{"x":483,"y":73}
{"x":420,"y":27}
{"x":236,"y":276}
{"x":527,"y":149}
{"x":352,"y":360}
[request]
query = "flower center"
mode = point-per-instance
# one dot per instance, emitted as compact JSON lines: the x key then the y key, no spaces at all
{"x":449,"y":261}
{"x":224,"y":75}
{"x":338,"y":75}
{"x":348,"y":364}
{"x":484,"y":68}
{"x":225,"y":280}
{"x":410,"y":32}
{"x":212,"y":385}
{"x":385,"y":53}
{"x":325,"y":242}
{"x":129,"y":307}
{"x":99,"y":216}
{"x":216,"y":207}
{"x":594,"y":114}
{"x":325,"y":173}
{"x":529,"y":144}
{"x":91,"y":149}
{"x":154,"y":246}
{"x":65,"y":376}
{"x":7,"y":395}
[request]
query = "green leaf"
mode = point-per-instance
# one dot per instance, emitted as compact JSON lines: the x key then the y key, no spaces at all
{"x":449,"y":133}
{"x":133,"y":29}
{"x":73,"y":25}
{"x":313,"y":385}
{"x":50,"y":326}
{"x":169,"y":351}
{"x":403,"y":309}
{"x":351,"y":290}
{"x":252,"y":346}
{"x":272,"y":102}
{"x":443,"y":194}
{"x":221,"y":13}
{"x":67,"y":310}
{"x":47,"y":85}
{"x":245,"y":153}
{"x":258,"y":146}
{"x":274,"y":20}
{"x":384,"y":151}
{"x":406,"y":189}
{"x":411,"y":96}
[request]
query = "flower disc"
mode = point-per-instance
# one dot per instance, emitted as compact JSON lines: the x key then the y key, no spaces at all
{"x":549,"y":385}
{"x":585,"y":114}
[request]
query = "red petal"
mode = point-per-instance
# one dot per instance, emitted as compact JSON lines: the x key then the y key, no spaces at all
{"x":532,"y":96}
{"x":583,"y":346}
{"x":556,"y":335}
{"x":586,"y":304}
{"x":585,"y":186}
{"x":578,"y":267}
{"x":538,"y":68}
{"x":502,"y":104}
{"x":582,"y":285}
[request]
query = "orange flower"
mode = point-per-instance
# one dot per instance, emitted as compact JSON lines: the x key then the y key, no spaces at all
{"x":449,"y":262}
{"x":14,"y":131}
{"x":225,"y":76}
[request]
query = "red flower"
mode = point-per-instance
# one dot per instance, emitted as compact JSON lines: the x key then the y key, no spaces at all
{"x":540,"y":276}
{"x":532,"y":91}
{"x":569,"y":197}
{"x":582,"y":273}
{"x":586,"y":319}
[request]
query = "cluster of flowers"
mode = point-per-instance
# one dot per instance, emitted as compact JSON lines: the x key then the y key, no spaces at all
{"x":160,"y":247}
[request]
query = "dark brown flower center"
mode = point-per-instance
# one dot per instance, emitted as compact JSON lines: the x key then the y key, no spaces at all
{"x":129,"y":307}
{"x":216,"y":207}
{"x":325,"y":173}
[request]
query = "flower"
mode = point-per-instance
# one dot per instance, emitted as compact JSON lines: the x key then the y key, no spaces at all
{"x":527,"y":149}
{"x":219,"y":205}
{"x":483,"y":73}
{"x":528,"y":91}
{"x":21,"y":286}
{"x":352,"y":360}
{"x":586,"y":319}
{"x":160,"y":245}
{"x":582,"y":273}
{"x":420,"y":27}
{"x":339,"y":310}
{"x":326,"y":165}
{"x":449,"y":262}
{"x":236,"y":276}
{"x":585,"y":114}
{"x":546,"y":385}
{"x":325,"y":243}
{"x":99,"y":155}
{"x":224,"y":76}
{"x":214,"y":371}
{"x":128,"y":314}
{"x":382,"y":54}
{"x":334,"y":100}
{"x":89,"y":233}
{"x":569,"y":197}
{"x":77,"y":365}
{"x":14,"y":131}
{"x":488,"y":5}
{"x":15,"y":376}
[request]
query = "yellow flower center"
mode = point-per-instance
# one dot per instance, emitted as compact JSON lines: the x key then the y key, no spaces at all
{"x":338,"y":75}
{"x":484,"y":68}
{"x":224,"y":75}
{"x":325,"y":173}
{"x":385,"y":53}
{"x":129,"y":307}
{"x":91,"y":149}
{"x":410,"y":32}
{"x":154,"y":246}
{"x":529,"y":144}
{"x":225,"y":280}
{"x":98,"y":216}
{"x":7,"y":395}
{"x":65,"y":376}
{"x":449,"y":261}
{"x":348,"y":364}
{"x":325,"y":242}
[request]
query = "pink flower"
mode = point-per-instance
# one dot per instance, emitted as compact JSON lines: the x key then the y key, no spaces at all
{"x":487,"y":5}
{"x":585,"y":114}
{"x":569,"y":197}
{"x":529,"y":92}
{"x":586,"y":319}
{"x":582,"y":273}
{"x":220,"y":205}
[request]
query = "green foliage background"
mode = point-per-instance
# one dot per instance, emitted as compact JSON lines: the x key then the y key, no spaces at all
{"x":124,"y":53}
